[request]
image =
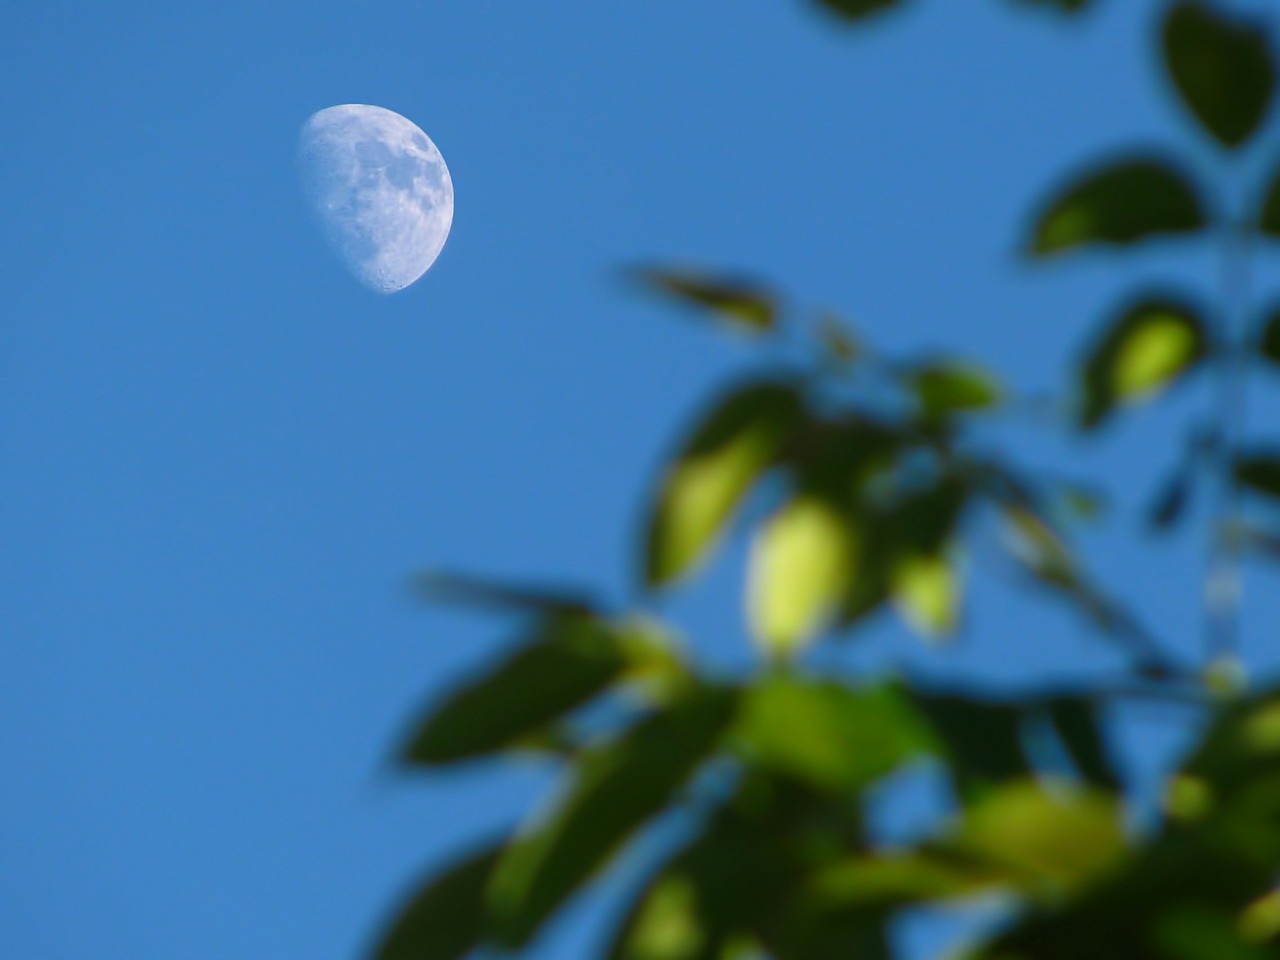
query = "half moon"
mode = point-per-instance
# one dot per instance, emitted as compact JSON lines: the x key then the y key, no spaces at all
{"x":381,"y":192}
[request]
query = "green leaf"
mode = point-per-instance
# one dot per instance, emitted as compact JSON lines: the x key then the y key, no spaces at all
{"x":1131,"y":200}
{"x":800,"y":564}
{"x":447,"y":918}
{"x":944,"y":389}
{"x":926,"y":590}
{"x":1269,"y":215}
{"x":982,"y":738}
{"x":442,"y":587}
{"x":1069,"y":6}
{"x":615,"y":789}
{"x":726,"y":455}
{"x":1268,"y":342}
{"x":743,"y":305}
{"x":857,"y":9}
{"x":1259,"y":470}
{"x":1143,"y":351}
{"x":1079,"y":725}
{"x":828,"y":735}
{"x":1221,"y":66}
{"x":569,"y":661}
{"x":1046,"y":841}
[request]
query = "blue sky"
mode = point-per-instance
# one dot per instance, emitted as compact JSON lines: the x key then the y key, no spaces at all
{"x":222,"y":458}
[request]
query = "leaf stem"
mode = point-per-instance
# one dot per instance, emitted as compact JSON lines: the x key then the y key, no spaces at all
{"x":1223,"y":578}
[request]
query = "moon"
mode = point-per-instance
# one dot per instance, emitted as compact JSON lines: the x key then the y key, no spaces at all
{"x":380,"y":190}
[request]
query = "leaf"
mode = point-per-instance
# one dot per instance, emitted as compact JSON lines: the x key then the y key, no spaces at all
{"x":569,"y":661}
{"x":944,"y":389}
{"x":1078,"y":724}
{"x":1259,"y":470}
{"x":827,"y":735}
{"x":1048,"y":842}
{"x":926,"y":589}
{"x":447,"y":918}
{"x":982,"y":738}
{"x":615,"y":789}
{"x":442,"y":587}
{"x":743,"y":305}
{"x":1269,"y":215}
{"x":1221,"y":66}
{"x":800,"y":563}
{"x":725,"y":456}
{"x":1268,"y":344}
{"x":1131,"y":200}
{"x":1069,"y":6}
{"x":1148,"y":347}
{"x":857,"y":9}
{"x":1174,"y":497}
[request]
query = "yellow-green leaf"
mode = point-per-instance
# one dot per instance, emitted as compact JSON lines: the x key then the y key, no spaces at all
{"x":926,"y":590}
{"x":744,"y":305}
{"x":1144,"y":350}
{"x":801,"y":563}
{"x":721,"y":461}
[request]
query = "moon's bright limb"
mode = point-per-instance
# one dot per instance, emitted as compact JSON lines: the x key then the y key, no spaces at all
{"x":380,"y":189}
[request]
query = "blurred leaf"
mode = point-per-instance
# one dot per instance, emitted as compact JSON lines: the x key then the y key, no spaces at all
{"x":1129,"y":201}
{"x":926,"y":589}
{"x":1172,"y":501}
{"x":446,"y":919}
{"x":1080,"y":727}
{"x":1268,"y":345}
{"x":1221,"y":65}
{"x":857,"y":9}
{"x":1259,"y":470}
{"x":442,"y":587}
{"x":1070,"y":6}
{"x":828,"y":735}
{"x":1036,"y":545}
{"x":728,"y":452}
{"x":615,"y":789}
{"x":983,"y":738}
{"x":800,"y":563}
{"x":664,"y":924}
{"x":948,"y":388}
{"x":1269,"y":215}
{"x":570,"y":660}
{"x":1049,"y":842}
{"x":898,"y":879}
{"x":1203,"y":933}
{"x":741,"y":304}
{"x":1144,"y":350}
{"x":837,"y":340}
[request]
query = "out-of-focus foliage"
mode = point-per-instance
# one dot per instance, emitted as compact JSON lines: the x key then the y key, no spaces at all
{"x":865,"y":484}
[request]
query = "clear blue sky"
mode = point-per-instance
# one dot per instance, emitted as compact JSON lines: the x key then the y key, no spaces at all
{"x":221,"y":457}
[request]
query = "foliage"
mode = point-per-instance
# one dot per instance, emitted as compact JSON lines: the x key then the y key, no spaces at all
{"x":859,"y":482}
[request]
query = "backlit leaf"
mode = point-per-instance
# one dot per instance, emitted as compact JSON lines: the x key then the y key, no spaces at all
{"x":703,"y":487}
{"x":447,"y":918}
{"x":800,"y":563}
{"x":1132,"y":200}
{"x":926,"y":590}
{"x":570,"y":660}
{"x":1221,"y":66}
{"x":827,"y":734}
{"x":614,"y":790}
{"x":1144,"y":350}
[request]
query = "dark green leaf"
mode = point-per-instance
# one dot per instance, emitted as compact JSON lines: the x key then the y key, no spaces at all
{"x":1071,"y":6}
{"x":1259,"y":470}
{"x":949,"y":388}
{"x":983,"y":738}
{"x":616,"y":788}
{"x":1131,"y":200}
{"x":740,"y":439}
{"x":1269,"y":215}
{"x":441,"y":587}
{"x":1144,"y":350}
{"x":569,"y":661}
{"x":1221,"y":65}
{"x":447,"y":918}
{"x":742,"y":304}
{"x":828,"y":735}
{"x":1268,"y":344}
{"x":857,"y":9}
{"x":1078,"y":724}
